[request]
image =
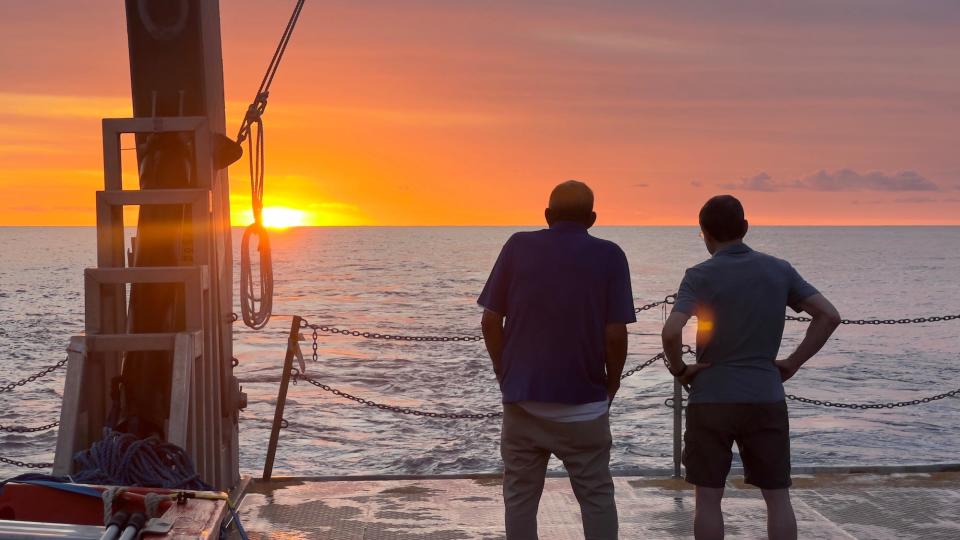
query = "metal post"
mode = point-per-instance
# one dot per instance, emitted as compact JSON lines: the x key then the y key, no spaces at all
{"x":677,"y":426}
{"x":292,"y":346}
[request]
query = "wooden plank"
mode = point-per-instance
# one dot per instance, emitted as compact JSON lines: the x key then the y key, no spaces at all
{"x":153,"y":124}
{"x":110,"y":240}
{"x":141,"y":342}
{"x":144,"y":197}
{"x":151,"y":274}
{"x":68,"y":432}
{"x":183,"y":358}
{"x":112,"y":167}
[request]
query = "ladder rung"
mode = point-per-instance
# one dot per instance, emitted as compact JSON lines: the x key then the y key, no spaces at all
{"x":155,"y":196}
{"x":150,"y":274}
{"x":140,"y":342}
{"x":153,"y":124}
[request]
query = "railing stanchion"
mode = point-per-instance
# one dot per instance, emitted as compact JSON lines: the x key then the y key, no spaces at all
{"x":292,"y":345}
{"x":677,"y":426}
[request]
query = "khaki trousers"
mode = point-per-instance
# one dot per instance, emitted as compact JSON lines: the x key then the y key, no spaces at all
{"x":584,"y":448}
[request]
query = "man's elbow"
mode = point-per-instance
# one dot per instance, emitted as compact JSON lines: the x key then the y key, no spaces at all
{"x":670,"y":335}
{"x":830,"y":316}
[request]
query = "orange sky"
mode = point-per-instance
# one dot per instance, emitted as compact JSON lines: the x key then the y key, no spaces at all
{"x":815,"y":112}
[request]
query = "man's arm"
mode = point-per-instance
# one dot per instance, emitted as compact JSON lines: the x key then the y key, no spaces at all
{"x":492,"y":326}
{"x":615,"y":336}
{"x":672,"y":336}
{"x":825,"y":319}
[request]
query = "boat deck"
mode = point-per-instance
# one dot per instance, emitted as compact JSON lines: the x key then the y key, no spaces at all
{"x":828,"y":505}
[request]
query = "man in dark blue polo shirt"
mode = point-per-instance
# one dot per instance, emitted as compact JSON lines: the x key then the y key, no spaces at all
{"x":739,"y":297}
{"x":566,"y":299}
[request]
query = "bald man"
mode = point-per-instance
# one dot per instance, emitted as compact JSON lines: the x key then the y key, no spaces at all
{"x":556,"y":307}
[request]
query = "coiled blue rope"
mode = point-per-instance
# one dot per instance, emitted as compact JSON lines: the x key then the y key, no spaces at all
{"x":121,"y":459}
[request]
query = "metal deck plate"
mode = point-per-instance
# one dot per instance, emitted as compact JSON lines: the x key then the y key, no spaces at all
{"x":874,"y":507}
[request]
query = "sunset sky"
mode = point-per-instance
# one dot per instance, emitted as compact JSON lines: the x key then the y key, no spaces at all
{"x":457,"y":112}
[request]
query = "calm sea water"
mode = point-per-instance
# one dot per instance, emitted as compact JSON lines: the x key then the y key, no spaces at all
{"x":425,"y":281}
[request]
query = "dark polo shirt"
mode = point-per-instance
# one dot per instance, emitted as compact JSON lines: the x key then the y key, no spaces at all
{"x":558,"y":288}
{"x":739,"y":297}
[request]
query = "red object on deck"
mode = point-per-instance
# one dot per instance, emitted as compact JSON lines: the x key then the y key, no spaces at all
{"x":196,"y":518}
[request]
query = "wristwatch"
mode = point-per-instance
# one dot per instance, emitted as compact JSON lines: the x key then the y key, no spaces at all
{"x":682,"y":371}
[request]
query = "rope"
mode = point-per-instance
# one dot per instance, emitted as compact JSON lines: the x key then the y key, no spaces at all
{"x":256,"y":300}
{"x":120,"y":459}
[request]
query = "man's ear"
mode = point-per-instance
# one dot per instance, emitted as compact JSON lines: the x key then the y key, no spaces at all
{"x":591,"y":220}
{"x":548,"y":215}
{"x":746,"y":227}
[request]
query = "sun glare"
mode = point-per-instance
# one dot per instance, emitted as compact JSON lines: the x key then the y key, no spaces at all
{"x":280,"y":217}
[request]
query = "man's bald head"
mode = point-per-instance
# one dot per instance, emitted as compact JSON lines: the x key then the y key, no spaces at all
{"x":571,"y":201}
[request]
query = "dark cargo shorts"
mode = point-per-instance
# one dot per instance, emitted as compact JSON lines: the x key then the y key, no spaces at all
{"x":761,"y":431}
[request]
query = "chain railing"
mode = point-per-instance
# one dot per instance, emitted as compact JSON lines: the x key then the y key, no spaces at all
{"x":393,"y":408}
{"x":862,"y":322}
{"x":863,"y":406}
{"x":10,"y":387}
{"x":667,"y":300}
{"x":25,"y":464}
{"x":21,"y":429}
{"x":39,"y":375}
{"x":301,"y":323}
{"x":296,"y":375}
{"x":670,"y":299}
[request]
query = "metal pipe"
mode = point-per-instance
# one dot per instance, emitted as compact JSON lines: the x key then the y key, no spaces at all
{"x":117,"y":522}
{"x":111,"y":533}
{"x":137,"y":521}
{"x":292,"y":345}
{"x":677,"y":426}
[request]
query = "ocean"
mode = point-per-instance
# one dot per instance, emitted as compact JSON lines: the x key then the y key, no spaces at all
{"x":424,"y":281}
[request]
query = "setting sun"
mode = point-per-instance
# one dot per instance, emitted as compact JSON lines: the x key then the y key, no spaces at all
{"x":281,"y":217}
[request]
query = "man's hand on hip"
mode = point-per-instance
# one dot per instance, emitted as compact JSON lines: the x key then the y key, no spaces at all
{"x":788,"y":368}
{"x":691,"y":372}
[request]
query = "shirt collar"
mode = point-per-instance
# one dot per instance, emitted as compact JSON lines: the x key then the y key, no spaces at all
{"x":734,"y":249}
{"x":568,"y":226}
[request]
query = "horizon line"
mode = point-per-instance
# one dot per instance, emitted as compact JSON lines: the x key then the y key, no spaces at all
{"x":651,"y":225}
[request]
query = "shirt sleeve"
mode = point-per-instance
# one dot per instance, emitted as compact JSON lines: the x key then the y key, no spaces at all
{"x":799,"y":289}
{"x":687,"y":295}
{"x":496,"y":292}
{"x":619,"y":291}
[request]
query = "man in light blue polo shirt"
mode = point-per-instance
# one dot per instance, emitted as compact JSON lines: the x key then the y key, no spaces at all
{"x":739,"y":297}
{"x":565,"y":298}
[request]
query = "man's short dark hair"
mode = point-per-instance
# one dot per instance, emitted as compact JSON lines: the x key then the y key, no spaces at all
{"x":571,"y":201}
{"x":722,"y":218}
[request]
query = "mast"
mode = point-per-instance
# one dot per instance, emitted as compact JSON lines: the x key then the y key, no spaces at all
{"x":176,"y":70}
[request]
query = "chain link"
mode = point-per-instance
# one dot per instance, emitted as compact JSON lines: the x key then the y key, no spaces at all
{"x":21,"y":429}
{"x":13,"y":386}
{"x":392,"y":408}
{"x":670,"y":299}
{"x":890,"y":405}
{"x":686,"y":350}
{"x":24,"y":464}
{"x":377,"y":335}
{"x":861,"y":322}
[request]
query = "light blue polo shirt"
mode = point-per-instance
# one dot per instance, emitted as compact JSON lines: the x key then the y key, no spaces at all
{"x":739,"y":297}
